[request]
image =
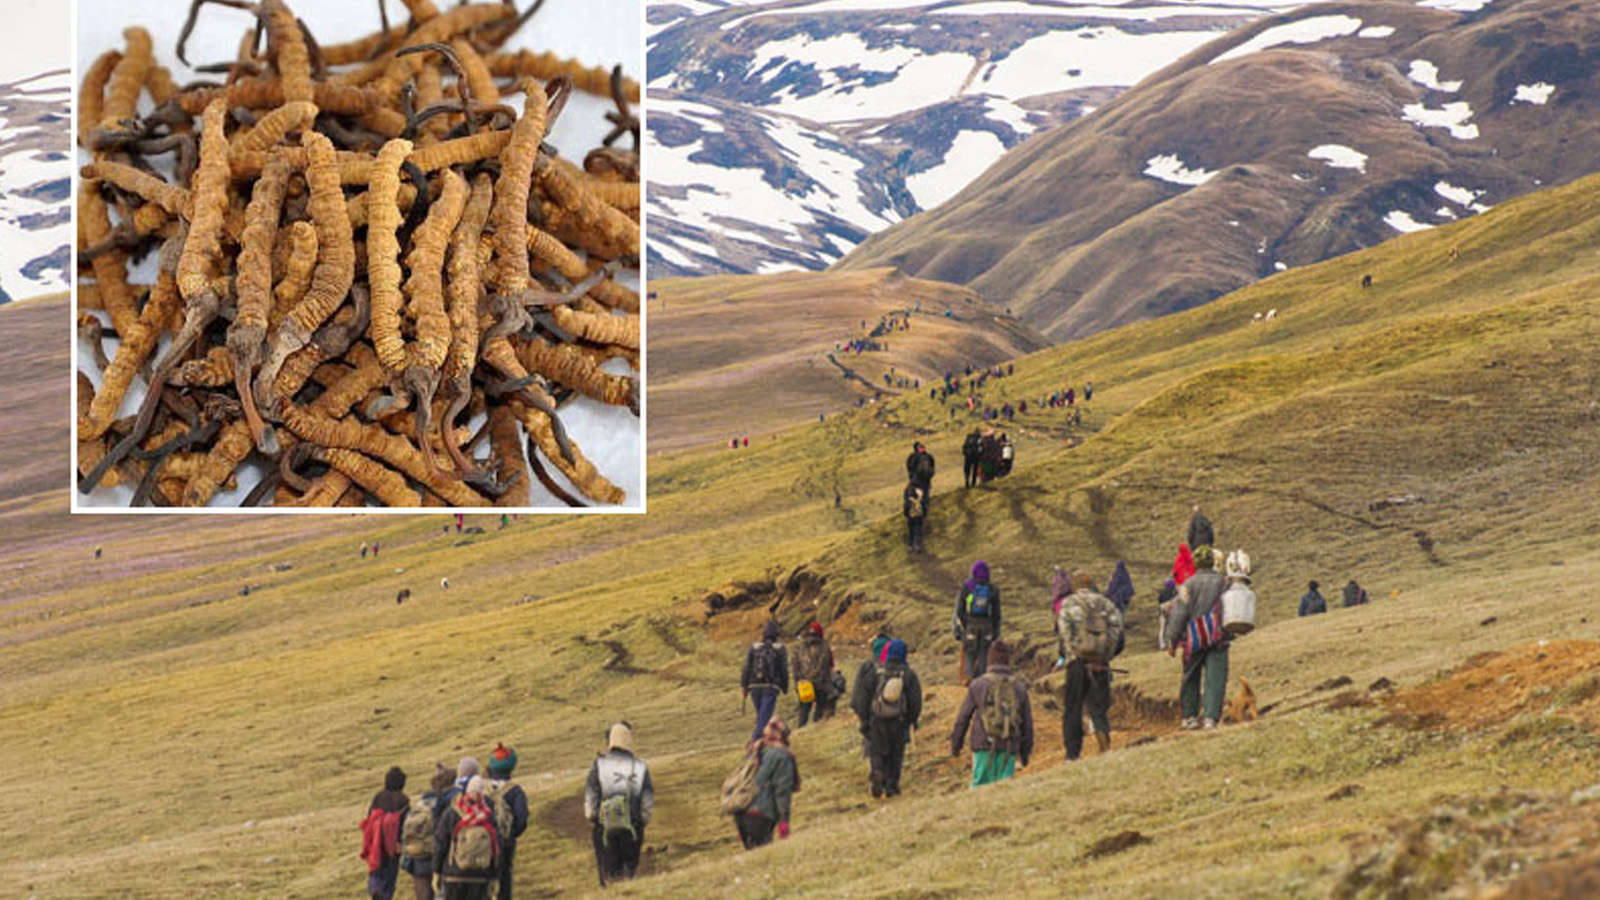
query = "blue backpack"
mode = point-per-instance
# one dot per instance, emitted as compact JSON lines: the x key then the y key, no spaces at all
{"x":978,"y":600}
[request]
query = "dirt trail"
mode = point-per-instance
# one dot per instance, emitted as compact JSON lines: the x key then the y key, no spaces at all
{"x":1549,"y":677}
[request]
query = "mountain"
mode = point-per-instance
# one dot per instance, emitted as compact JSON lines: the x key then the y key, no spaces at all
{"x":1304,"y":136}
{"x":782,"y":134}
{"x":717,"y":362}
{"x":35,"y":184}
{"x":1433,"y":436}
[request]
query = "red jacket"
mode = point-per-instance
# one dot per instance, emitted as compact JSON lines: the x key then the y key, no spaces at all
{"x":380,"y":837}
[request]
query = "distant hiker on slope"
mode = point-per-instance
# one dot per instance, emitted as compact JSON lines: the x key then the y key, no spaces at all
{"x":997,"y":711}
{"x":1312,"y":603}
{"x":919,"y":467}
{"x":619,"y":800}
{"x":813,"y":674}
{"x":466,"y":846}
{"x":1354,"y":595}
{"x":1200,"y":530}
{"x":971,"y":455}
{"x":777,"y":778}
{"x":1196,"y":627}
{"x":1008,"y":455}
{"x":1120,"y":589}
{"x":765,"y":675}
{"x":977,"y":619}
{"x":380,"y":835}
{"x":988,"y":456}
{"x":1090,"y":629}
{"x":416,"y":834}
{"x":914,"y":506}
{"x":888,"y":703}
{"x":510,"y":804}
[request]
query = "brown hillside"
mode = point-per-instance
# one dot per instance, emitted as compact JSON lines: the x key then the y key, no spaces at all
{"x":743,"y":355}
{"x":1069,"y":230}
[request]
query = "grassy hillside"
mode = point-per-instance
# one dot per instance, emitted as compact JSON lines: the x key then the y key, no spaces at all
{"x":238,"y":738}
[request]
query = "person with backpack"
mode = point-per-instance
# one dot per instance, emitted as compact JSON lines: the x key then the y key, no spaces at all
{"x":1090,"y":628}
{"x":1196,"y":626}
{"x":813,"y":673}
{"x":466,"y":845}
{"x":997,"y":712}
{"x":416,"y":834}
{"x":1354,"y":595}
{"x":977,"y":619}
{"x":971,"y":453}
{"x":1201,"y":533}
{"x":380,"y":835}
{"x":765,"y":675}
{"x":1008,"y":455}
{"x":1312,"y":603}
{"x":777,"y":778}
{"x":510,"y":811}
{"x":618,"y":799}
{"x":915,"y":509}
{"x":888,"y":702}
{"x":919,"y":468}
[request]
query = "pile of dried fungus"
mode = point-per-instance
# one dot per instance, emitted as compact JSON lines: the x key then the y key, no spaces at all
{"x":363,"y":250}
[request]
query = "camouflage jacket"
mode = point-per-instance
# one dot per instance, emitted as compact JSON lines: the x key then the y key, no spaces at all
{"x":1075,"y":610}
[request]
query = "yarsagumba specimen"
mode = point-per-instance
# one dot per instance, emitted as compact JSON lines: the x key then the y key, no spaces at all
{"x":370,"y":257}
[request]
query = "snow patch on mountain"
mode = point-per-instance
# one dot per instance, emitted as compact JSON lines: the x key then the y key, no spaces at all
{"x":1452,"y":116}
{"x":1169,"y":168}
{"x":1338,"y":156}
{"x":970,"y":154}
{"x":1537,"y":93}
{"x":1426,"y":74}
{"x":1402,"y":222}
{"x":35,"y":185}
{"x":1301,"y":31}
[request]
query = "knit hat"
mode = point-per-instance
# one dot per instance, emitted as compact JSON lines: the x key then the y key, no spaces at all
{"x":980,"y":571}
{"x":502,"y":761}
{"x":467,"y":768}
{"x":442,"y":778}
{"x":620,"y":737}
{"x":897,"y":651}
{"x":1202,"y":557}
{"x":878,"y":643}
{"x":816,"y":629}
{"x":394,"y":779}
{"x":475,"y":787}
{"x":770,"y":630}
{"x":999,"y":654}
{"x":1313,"y":585}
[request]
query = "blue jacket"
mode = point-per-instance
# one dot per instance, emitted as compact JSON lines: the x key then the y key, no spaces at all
{"x":1312,"y":604}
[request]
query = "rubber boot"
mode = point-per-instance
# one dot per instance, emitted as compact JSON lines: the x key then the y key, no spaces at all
{"x":1103,"y":741}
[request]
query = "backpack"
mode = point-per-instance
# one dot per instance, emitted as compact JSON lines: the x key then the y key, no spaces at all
{"x":1098,"y":637}
{"x":764,"y":665}
{"x":501,"y":806}
{"x":889,"y":700}
{"x":739,"y":788}
{"x":1007,"y":451}
{"x":813,"y":660}
{"x":474,"y":847}
{"x":1001,"y":715}
{"x":978,"y":600}
{"x":616,"y":811}
{"x":915,"y":506}
{"x":416,"y":833}
{"x":922,"y":468}
{"x":972,"y":446}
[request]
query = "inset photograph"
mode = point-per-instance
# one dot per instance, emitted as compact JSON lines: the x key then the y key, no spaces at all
{"x":358,"y":256}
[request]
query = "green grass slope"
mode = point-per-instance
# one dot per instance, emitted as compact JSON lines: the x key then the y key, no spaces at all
{"x":194,"y":741}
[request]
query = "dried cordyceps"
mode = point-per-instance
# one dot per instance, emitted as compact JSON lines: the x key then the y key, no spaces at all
{"x":370,"y":260}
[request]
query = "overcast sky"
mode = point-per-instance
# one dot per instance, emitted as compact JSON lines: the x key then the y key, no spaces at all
{"x":36,"y":38}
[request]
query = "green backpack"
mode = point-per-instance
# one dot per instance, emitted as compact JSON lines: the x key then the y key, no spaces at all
{"x":416,"y":835}
{"x":616,"y":811}
{"x":495,"y":792}
{"x":1001,"y":715}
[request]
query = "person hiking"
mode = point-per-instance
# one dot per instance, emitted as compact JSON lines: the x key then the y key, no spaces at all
{"x":511,"y":811}
{"x":977,"y":619}
{"x":1008,"y":455}
{"x":1312,"y":604}
{"x":988,"y":456}
{"x":914,"y":506}
{"x":1183,"y":566}
{"x":813,"y":666}
{"x":466,"y":845}
{"x":467,"y":768}
{"x":1354,"y":595}
{"x":380,"y":835}
{"x":416,"y":834}
{"x":1196,"y":627}
{"x":971,"y":452}
{"x":920,"y":466}
{"x":1090,"y":628}
{"x":618,"y":799}
{"x":1088,"y":391}
{"x":765,"y":675}
{"x":777,"y":778}
{"x":888,"y":702}
{"x":997,"y":712}
{"x":1200,"y":530}
{"x":1120,"y":589}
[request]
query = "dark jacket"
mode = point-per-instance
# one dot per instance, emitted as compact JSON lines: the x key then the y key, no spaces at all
{"x":867,"y":688}
{"x":1200,"y":533}
{"x":1202,"y":591}
{"x":747,"y":677}
{"x":812,"y":646}
{"x":444,"y":830}
{"x":1312,"y":604}
{"x":777,"y":778}
{"x":517,"y":799}
{"x":1353,"y":594}
{"x":919,"y":467}
{"x":994,"y":608}
{"x":1020,"y":744}
{"x":972,"y":446}
{"x":390,"y":801}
